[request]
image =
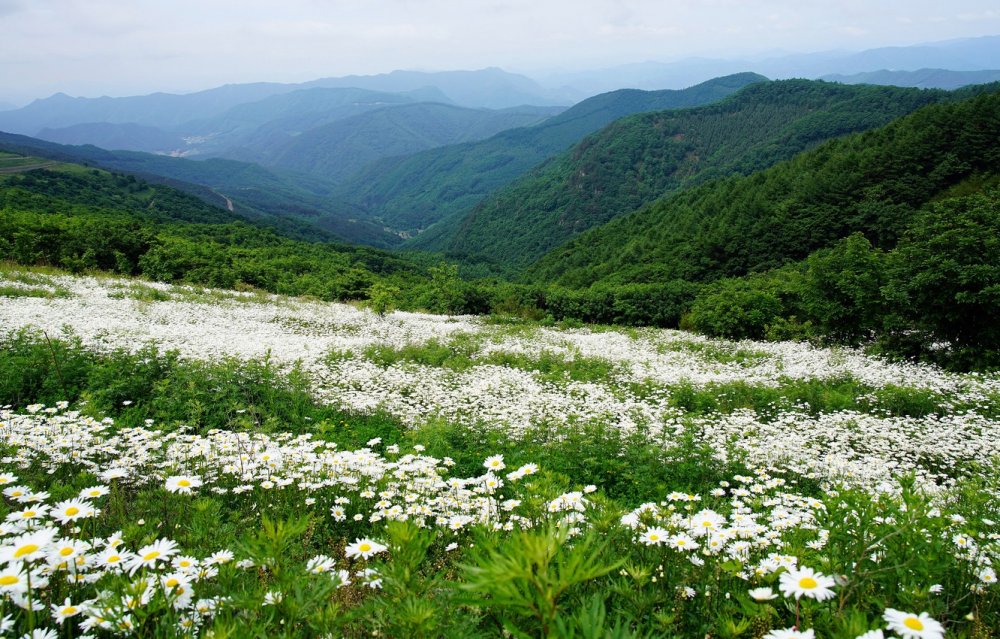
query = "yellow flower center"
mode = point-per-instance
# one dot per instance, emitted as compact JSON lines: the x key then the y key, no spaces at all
{"x":808,"y":583}
{"x":150,"y":556}
{"x":913,"y":624}
{"x":364,"y":547}
{"x":94,"y":493}
{"x":72,"y":510}
{"x":68,"y":611}
{"x":28,"y":514}
{"x":173,"y":582}
{"x":183,"y":483}
{"x":9,"y":580}
{"x":66,"y":552}
{"x":681,"y":542}
{"x":185,"y":564}
{"x":25,"y":550}
{"x":113,"y":559}
{"x":654,"y":537}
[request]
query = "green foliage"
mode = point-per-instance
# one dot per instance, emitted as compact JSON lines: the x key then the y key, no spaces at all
{"x":644,"y":157}
{"x":945,"y":279}
{"x":527,"y":575}
{"x":382,"y":298}
{"x":87,"y":219}
{"x":842,"y":290}
{"x":871,"y":182}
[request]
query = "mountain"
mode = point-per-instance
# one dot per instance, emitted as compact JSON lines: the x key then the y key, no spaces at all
{"x":410,"y":193}
{"x":486,"y":88}
{"x":921,"y":78}
{"x":135,"y":137}
{"x":967,"y":54}
{"x":78,"y":218}
{"x":490,"y":88}
{"x":340,"y":149}
{"x":157,"y":109}
{"x":252,"y":130}
{"x":639,"y":159}
{"x":871,"y":182}
{"x":299,"y":205}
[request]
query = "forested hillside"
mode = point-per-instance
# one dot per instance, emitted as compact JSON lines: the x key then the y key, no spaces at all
{"x":870,"y":183}
{"x":281,"y":199}
{"x":337,"y":150}
{"x":78,"y":218}
{"x":638,"y":159}
{"x":411,"y":192}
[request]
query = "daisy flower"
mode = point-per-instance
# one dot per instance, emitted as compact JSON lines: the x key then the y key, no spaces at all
{"x":94,"y":492}
{"x":762,"y":594}
{"x":494,"y":462}
{"x":680,"y":541}
{"x":65,"y":610}
{"x":182,"y":484}
{"x":13,"y":578}
{"x":149,"y":556}
{"x":72,"y":509}
{"x":654,"y":536}
{"x":910,"y":625}
{"x":364,"y":548}
{"x":796,"y":582}
{"x":28,"y":547}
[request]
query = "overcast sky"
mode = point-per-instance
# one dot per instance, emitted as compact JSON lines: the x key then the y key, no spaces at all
{"x":123,"y":47}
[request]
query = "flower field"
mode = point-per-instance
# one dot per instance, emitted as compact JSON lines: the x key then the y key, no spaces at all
{"x":188,"y":462}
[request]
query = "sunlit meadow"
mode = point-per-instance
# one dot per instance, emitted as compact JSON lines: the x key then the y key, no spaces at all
{"x":188,"y":462}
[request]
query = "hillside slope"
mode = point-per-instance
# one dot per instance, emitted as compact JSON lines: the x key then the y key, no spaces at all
{"x":410,"y":193}
{"x":339,"y":149}
{"x":871,"y":182}
{"x":639,"y":159}
{"x":294,"y":204}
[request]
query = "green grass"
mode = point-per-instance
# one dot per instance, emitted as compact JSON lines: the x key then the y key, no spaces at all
{"x":462,"y":352}
{"x":20,"y":291}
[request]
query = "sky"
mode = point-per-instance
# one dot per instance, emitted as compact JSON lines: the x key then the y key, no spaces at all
{"x":128,"y":47}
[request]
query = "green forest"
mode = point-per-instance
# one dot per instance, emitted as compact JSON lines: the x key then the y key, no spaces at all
{"x":645,"y":157}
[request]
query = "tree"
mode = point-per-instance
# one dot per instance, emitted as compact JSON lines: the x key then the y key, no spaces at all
{"x":945,"y":278}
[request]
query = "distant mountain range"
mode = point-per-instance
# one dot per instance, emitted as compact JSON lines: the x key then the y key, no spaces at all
{"x":487,"y":88}
{"x":921,"y":78}
{"x":967,"y":54}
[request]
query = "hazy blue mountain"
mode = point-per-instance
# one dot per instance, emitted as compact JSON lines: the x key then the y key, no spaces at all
{"x":107,"y":135}
{"x":156,"y":109}
{"x":7,"y":106}
{"x":491,"y":88}
{"x":412,"y":192}
{"x":338,"y":150}
{"x":274,"y":121}
{"x":278,"y":197}
{"x":967,"y":54}
{"x":921,"y":78}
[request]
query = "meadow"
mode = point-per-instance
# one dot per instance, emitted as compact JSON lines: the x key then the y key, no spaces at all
{"x":182,"y":461}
